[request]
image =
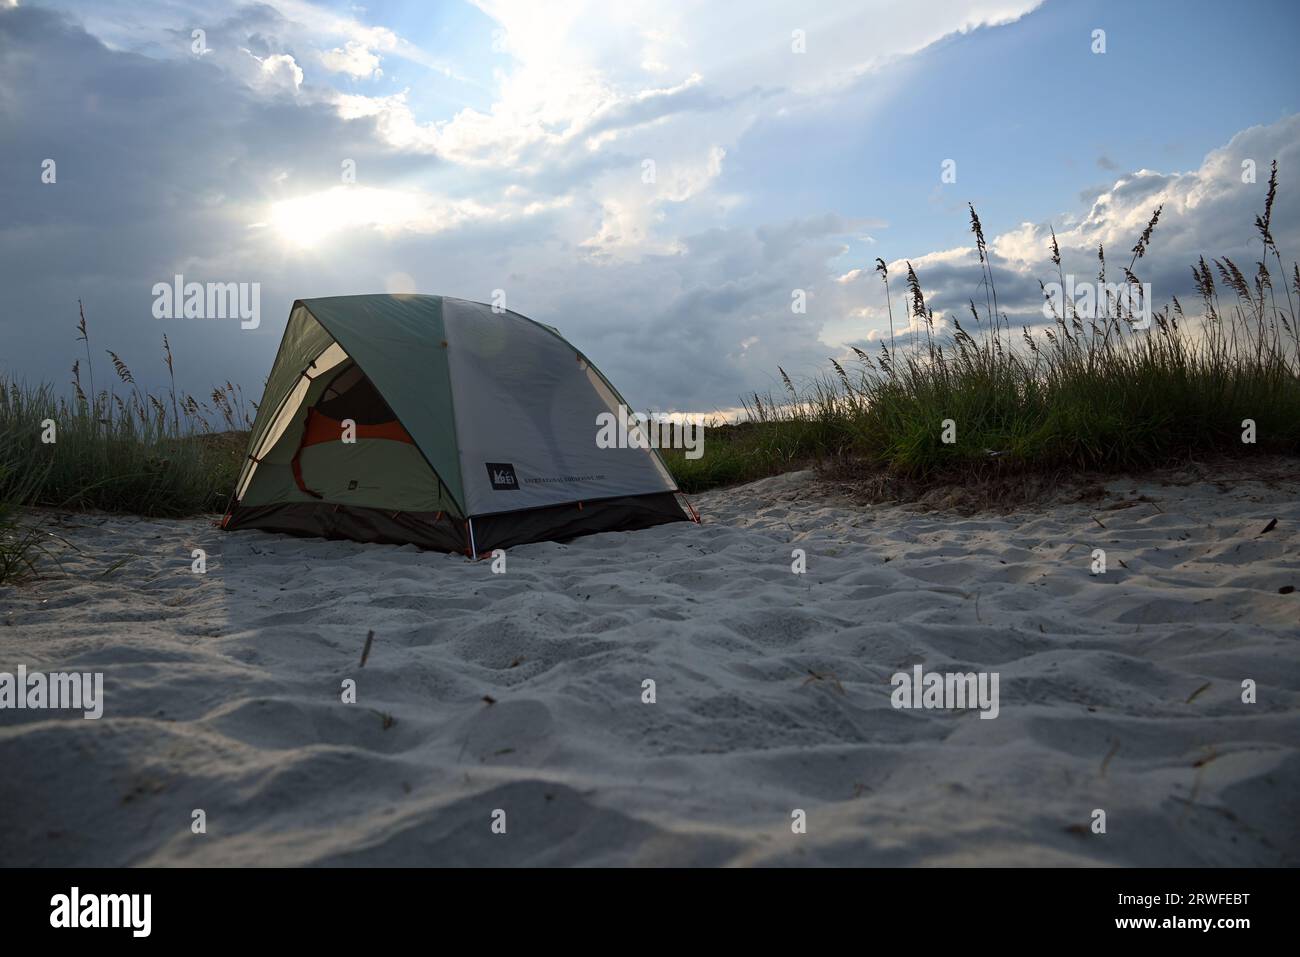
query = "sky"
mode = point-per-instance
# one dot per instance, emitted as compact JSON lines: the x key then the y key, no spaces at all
{"x":663,"y":181}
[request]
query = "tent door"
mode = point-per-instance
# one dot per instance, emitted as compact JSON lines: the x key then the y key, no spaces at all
{"x":351,"y":442}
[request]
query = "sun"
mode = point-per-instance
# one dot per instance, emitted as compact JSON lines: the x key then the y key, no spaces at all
{"x":308,"y":220}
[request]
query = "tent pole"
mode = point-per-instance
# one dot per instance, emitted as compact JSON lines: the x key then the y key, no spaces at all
{"x":473,"y":550}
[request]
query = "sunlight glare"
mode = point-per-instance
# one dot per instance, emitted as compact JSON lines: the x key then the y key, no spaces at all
{"x":308,"y":220}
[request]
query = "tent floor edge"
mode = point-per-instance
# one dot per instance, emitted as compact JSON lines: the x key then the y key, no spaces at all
{"x":437,"y":531}
{"x":569,"y":520}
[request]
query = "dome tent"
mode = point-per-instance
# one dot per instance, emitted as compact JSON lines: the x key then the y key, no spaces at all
{"x":441,"y":423}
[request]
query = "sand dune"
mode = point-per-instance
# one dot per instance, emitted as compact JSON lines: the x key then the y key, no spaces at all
{"x":1119,"y":692}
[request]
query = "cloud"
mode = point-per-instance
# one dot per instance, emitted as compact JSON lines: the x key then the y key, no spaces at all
{"x":363,"y":44}
{"x":1208,"y":211}
{"x":279,"y":71}
{"x":680,"y":287}
{"x":314,"y":217}
{"x":354,"y":59}
{"x":675,"y":83}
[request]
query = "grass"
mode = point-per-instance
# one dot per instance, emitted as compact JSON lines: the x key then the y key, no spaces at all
{"x":21,"y":542}
{"x":121,"y":449}
{"x":785,"y":438}
{"x":1085,"y":392}
{"x":112,"y":460}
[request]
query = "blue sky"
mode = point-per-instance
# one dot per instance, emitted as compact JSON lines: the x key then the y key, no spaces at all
{"x":501,"y":145}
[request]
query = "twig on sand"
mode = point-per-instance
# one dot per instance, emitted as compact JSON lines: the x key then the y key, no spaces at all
{"x":488,"y":700}
{"x":814,"y":676}
{"x":365,"y":652}
{"x":1105,"y":762}
{"x":1192,"y":696}
{"x":1199,"y":764}
{"x":118,"y":564}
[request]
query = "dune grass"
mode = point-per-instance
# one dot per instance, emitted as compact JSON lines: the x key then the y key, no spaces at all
{"x":1095,"y":391}
{"x":121,"y":449}
{"x":21,"y":541}
{"x":773,"y":437}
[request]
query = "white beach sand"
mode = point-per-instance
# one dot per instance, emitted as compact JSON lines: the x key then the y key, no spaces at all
{"x":223,"y":691}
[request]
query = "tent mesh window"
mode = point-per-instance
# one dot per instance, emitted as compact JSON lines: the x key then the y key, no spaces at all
{"x":351,"y":395}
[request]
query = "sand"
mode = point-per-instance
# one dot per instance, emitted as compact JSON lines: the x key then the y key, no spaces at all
{"x":522,"y":692}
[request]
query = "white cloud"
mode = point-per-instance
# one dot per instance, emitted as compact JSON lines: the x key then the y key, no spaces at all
{"x":630,"y":207}
{"x":280,"y":71}
{"x":322,"y":24}
{"x":1208,"y":211}
{"x":668,"y":81}
{"x":309,"y":219}
{"x":354,"y":59}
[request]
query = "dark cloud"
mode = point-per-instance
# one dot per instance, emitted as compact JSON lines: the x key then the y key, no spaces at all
{"x":164,"y":165}
{"x":160,"y":163}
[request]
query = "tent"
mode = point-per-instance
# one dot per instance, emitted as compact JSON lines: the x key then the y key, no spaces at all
{"x":441,"y":423}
